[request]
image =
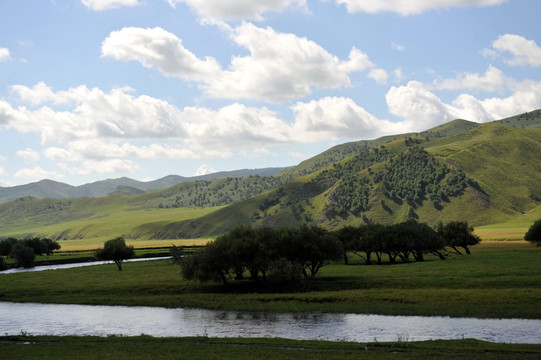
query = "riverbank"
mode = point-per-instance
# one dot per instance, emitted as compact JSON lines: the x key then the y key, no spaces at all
{"x":146,"y":347}
{"x":494,"y":282}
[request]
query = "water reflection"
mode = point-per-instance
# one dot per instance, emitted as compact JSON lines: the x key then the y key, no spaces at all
{"x":53,"y":319}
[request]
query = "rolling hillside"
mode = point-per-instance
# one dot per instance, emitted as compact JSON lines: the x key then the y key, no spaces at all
{"x":487,"y":175}
{"x":483,"y":173}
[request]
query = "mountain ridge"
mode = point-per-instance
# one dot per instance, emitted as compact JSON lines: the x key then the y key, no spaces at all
{"x":47,"y":188}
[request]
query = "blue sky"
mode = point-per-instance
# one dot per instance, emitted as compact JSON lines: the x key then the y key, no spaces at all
{"x":95,"y":89}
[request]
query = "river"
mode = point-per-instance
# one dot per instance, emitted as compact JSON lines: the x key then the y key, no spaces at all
{"x":56,"y":319}
{"x":74,"y":265}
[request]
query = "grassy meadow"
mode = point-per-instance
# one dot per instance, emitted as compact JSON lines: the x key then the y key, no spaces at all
{"x":498,"y":280}
{"x":145,"y":347}
{"x":91,"y":221}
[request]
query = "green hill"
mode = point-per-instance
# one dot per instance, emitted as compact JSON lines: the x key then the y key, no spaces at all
{"x":482,"y":173}
{"x":486,"y":175}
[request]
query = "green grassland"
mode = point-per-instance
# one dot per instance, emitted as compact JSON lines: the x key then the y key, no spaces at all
{"x":145,"y":347}
{"x":497,"y":280}
{"x":89,"y":219}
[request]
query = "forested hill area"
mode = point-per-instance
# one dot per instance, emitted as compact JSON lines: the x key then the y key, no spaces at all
{"x":482,"y":173}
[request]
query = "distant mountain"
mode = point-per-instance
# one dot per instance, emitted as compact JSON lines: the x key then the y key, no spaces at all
{"x":126,"y":190}
{"x":57,"y":190}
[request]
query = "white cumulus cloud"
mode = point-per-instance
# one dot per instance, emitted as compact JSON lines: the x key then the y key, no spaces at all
{"x":160,"y":49}
{"x":100,"y":5}
{"x":492,"y":80}
{"x":116,"y":114}
{"x":234,"y":10}
{"x":28,"y":155}
{"x":204,"y":170}
{"x":4,"y":54}
{"x":332,"y":118}
{"x":280,"y":66}
{"x":523,"y":51}
{"x":379,"y":75}
{"x":422,"y":109}
{"x":409,"y":7}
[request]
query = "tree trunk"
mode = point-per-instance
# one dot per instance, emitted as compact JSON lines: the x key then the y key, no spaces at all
{"x":455,"y":249}
{"x":439,"y":254}
{"x":119,"y":264}
{"x":222,"y":276}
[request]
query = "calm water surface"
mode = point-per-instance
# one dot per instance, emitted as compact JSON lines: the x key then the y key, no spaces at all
{"x":54,"y":319}
{"x":74,"y":265}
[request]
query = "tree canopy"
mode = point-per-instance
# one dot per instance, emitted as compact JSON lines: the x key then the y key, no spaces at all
{"x":284,"y":253}
{"x":116,"y":250}
{"x":26,"y":250}
{"x":534,"y":233}
{"x":458,"y":234}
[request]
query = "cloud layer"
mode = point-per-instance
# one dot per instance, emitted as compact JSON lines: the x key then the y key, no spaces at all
{"x":280,"y":66}
{"x":101,"y":5}
{"x":523,"y":51}
{"x":235,"y":10}
{"x":410,"y":7}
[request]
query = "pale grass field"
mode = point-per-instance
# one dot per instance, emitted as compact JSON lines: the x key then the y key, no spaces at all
{"x":489,"y":237}
{"x":500,"y":234}
{"x":92,"y":244}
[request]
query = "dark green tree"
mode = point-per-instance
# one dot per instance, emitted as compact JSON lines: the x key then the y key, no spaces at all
{"x":38,"y":246}
{"x":23,"y":254}
{"x":50,"y":245}
{"x":6,"y":245}
{"x":311,"y":247}
{"x":116,"y":250}
{"x":348,"y":236}
{"x":534,"y":233}
{"x":458,"y":234}
{"x":3,"y":265}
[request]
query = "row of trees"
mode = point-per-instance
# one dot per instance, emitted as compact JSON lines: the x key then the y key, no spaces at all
{"x":299,"y":253}
{"x":406,"y":241}
{"x":26,"y":250}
